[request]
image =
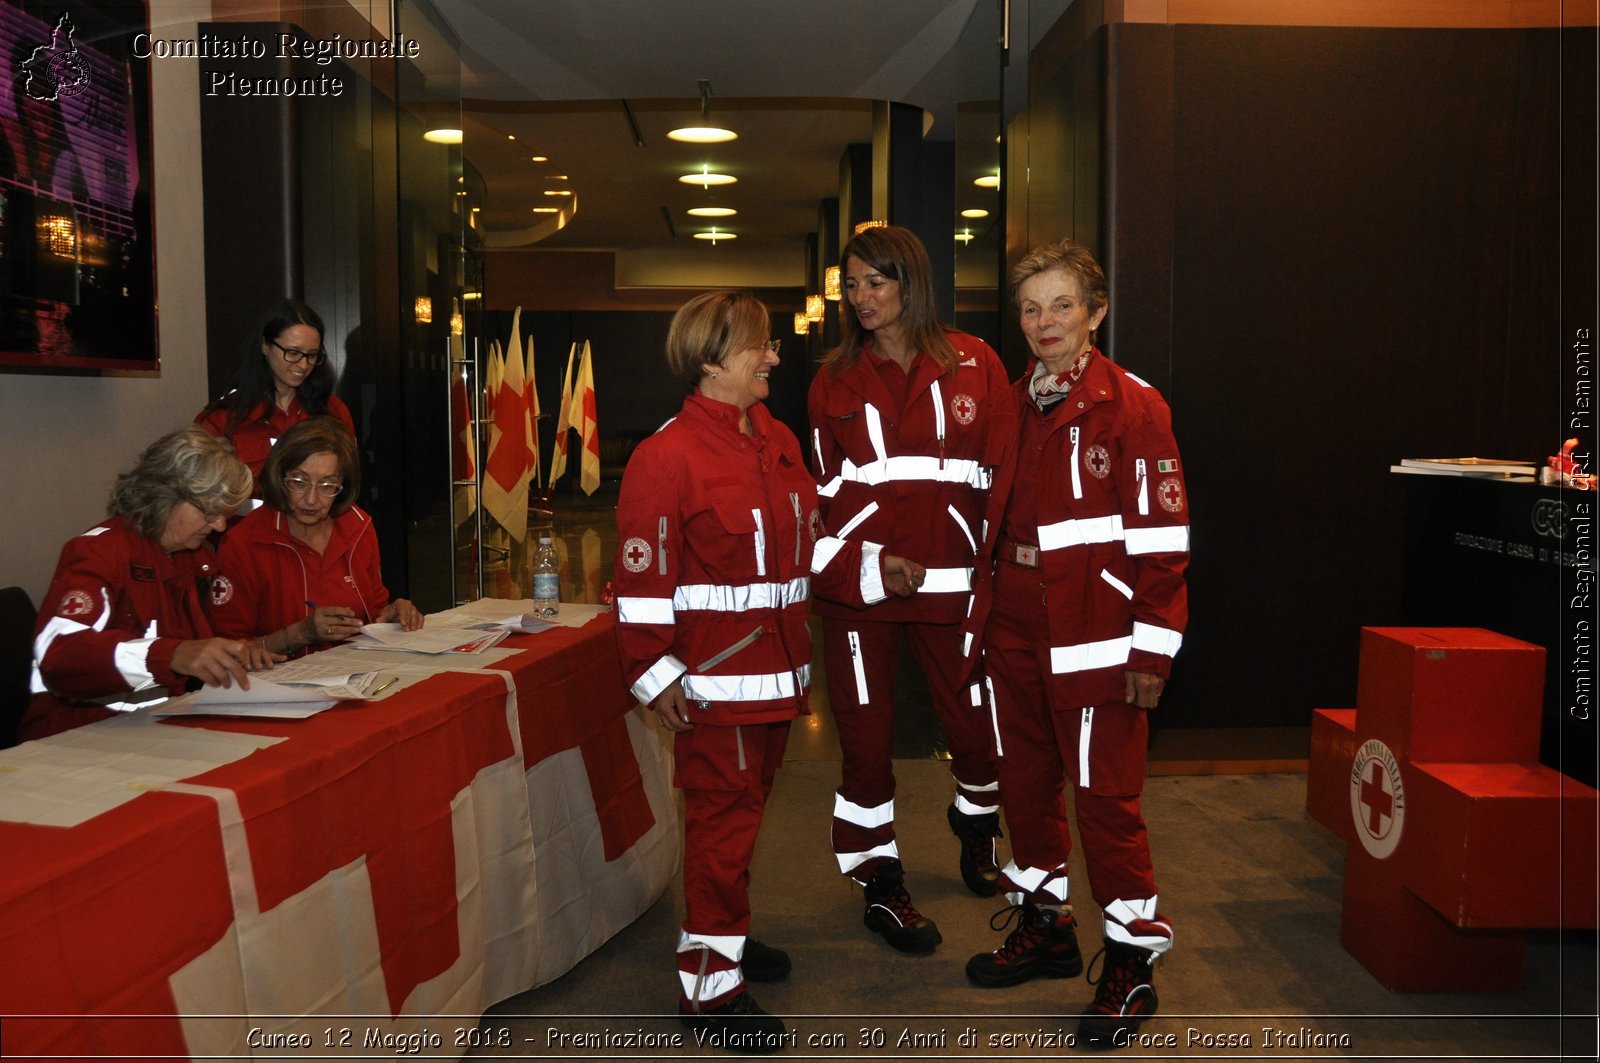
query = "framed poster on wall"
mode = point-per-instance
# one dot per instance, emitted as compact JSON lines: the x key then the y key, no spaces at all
{"x":77,"y":241}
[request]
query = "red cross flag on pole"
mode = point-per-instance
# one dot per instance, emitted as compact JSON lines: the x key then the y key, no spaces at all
{"x":583,"y":419}
{"x":558,"y":460}
{"x":463,"y":448}
{"x":531,"y":393}
{"x":506,"y":473}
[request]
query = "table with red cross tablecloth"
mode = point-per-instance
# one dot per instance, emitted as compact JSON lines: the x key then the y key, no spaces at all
{"x":209,"y":886}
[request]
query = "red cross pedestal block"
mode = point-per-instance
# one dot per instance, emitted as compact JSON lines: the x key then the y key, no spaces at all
{"x":1457,"y":840}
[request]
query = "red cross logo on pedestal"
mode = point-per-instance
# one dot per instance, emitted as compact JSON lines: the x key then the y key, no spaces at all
{"x":1377,"y":800}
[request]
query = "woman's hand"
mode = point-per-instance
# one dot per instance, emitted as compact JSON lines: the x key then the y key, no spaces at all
{"x":403,"y":613}
{"x":327,"y":623}
{"x":1143,"y":689}
{"x":901,"y":576}
{"x":220,"y":662}
{"x":672,"y":705}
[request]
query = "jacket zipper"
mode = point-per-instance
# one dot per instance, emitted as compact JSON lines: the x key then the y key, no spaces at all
{"x":661,"y":544}
{"x":794,"y":500}
{"x":938,"y":417}
{"x":712,"y":662}
{"x":1144,"y":487}
{"x":1077,"y":480}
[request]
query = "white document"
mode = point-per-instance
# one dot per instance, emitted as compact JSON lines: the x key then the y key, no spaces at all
{"x":427,"y":640}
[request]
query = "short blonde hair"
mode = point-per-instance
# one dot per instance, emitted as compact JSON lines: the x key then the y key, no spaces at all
{"x":189,"y":465}
{"x":709,"y":327}
{"x":1071,"y":258}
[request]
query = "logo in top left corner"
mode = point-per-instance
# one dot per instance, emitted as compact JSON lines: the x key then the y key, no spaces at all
{"x":57,"y":70}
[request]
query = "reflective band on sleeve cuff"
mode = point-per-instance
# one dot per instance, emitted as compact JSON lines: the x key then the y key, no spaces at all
{"x":1090,"y":655}
{"x":650,"y":685}
{"x":1153,"y":639}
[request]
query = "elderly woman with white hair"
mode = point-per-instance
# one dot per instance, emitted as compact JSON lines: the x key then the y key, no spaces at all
{"x":122,"y":623}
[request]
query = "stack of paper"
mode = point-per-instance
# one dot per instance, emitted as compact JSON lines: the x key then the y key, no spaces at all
{"x":427,"y":639}
{"x":1482,"y":468}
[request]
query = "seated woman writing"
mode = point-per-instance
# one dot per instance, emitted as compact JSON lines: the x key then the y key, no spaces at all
{"x":303,"y":568}
{"x":122,"y":623}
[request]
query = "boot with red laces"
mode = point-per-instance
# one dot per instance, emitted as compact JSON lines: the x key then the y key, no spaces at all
{"x":1044,"y":945}
{"x":1124,"y":998}
{"x":891,"y":913}
{"x":977,"y":834}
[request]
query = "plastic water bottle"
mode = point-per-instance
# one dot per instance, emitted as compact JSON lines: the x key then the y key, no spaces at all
{"x":546,"y":580}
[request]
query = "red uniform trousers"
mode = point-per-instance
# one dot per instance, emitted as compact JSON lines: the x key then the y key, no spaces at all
{"x":1042,"y":745}
{"x":861,"y":659}
{"x":726,"y":775}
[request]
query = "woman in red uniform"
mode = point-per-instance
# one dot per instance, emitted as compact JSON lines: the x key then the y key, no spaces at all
{"x":1089,"y":608}
{"x":122,"y":623}
{"x":905,"y":415}
{"x":303,"y":568}
{"x":716,"y":525}
{"x":282,"y":378}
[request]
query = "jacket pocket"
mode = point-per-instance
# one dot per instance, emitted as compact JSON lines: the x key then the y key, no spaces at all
{"x":717,"y":658}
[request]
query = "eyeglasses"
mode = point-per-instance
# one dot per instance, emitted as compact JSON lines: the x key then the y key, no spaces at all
{"x":294,"y":354}
{"x":770,"y":346}
{"x":209,"y":516}
{"x":300,"y":485}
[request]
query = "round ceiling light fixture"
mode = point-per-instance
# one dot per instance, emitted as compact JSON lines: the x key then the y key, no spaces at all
{"x":712,"y":212}
{"x":974,"y":212}
{"x":442,"y":136}
{"x":705,"y":178}
{"x":702,"y":134}
{"x":988,"y":181}
{"x":714,"y":235}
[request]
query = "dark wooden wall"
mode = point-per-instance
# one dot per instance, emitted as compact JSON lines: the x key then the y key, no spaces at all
{"x":1331,"y":249}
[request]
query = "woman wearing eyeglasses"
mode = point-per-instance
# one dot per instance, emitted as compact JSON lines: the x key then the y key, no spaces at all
{"x":283,"y":377}
{"x":716,"y":525}
{"x":303,"y":568}
{"x":122,"y":624}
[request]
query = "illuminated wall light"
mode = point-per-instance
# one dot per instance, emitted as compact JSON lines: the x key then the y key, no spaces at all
{"x":830,"y":284}
{"x":814,"y":308}
{"x":876,"y":223}
{"x":458,"y":324}
{"x":424,"y":310}
{"x":988,"y":181}
{"x":58,"y":235}
{"x":712,"y":212}
{"x":974,"y":212}
{"x":802,"y":325}
{"x":442,"y":136}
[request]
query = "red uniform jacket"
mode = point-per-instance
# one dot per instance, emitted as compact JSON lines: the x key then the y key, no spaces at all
{"x":1111,"y":521}
{"x":715,"y":533}
{"x":116,"y":610}
{"x":271,"y":578}
{"x":261,"y":427}
{"x":913,"y":482}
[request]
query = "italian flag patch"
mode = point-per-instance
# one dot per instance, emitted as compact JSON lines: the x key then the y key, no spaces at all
{"x":1167,"y":465}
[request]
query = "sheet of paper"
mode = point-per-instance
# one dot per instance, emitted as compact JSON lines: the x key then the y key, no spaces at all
{"x":433,"y":639}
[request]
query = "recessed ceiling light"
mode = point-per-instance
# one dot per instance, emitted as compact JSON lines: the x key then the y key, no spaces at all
{"x":539,"y":158}
{"x":974,"y":212}
{"x":714,"y":236}
{"x":558,"y":191}
{"x":511,"y":136}
{"x":712,"y":212}
{"x":547,"y":210}
{"x":442,"y":136}
{"x":988,"y":181}
{"x":965,"y":236}
{"x":702,"y":134}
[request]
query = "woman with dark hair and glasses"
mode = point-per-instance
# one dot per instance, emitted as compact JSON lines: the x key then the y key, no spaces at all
{"x":122,"y":624}
{"x":303,"y":567}
{"x":283,"y":377}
